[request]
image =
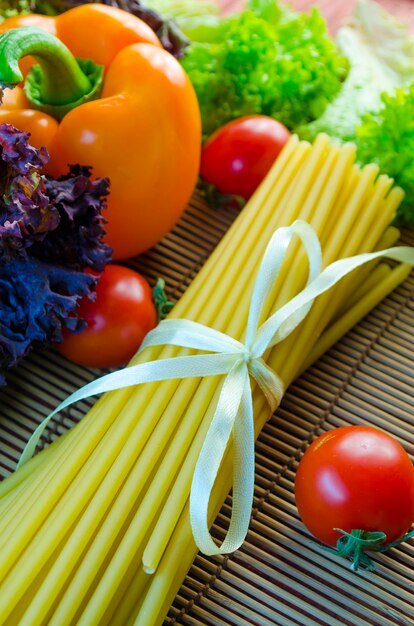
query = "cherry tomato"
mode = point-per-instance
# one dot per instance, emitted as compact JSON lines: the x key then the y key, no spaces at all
{"x":117,"y":322}
{"x":238,"y":155}
{"x":355,"y":478}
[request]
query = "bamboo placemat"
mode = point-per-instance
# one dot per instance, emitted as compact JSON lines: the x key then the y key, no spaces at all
{"x":280,"y":576}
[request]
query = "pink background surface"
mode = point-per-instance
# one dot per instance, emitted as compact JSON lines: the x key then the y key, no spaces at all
{"x":336,"y":10}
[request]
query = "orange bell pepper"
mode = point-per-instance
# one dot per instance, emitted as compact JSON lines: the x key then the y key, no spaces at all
{"x":132,"y":114}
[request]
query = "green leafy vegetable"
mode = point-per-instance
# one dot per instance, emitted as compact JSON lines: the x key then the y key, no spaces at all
{"x":182,"y":10}
{"x":375,"y":107}
{"x":265,"y":60}
{"x":9,"y":8}
{"x":197,"y":19}
{"x":268,"y":10}
{"x":381,"y":56}
{"x":386,"y":137}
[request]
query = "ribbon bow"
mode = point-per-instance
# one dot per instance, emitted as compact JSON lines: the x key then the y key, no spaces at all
{"x":239,"y":362}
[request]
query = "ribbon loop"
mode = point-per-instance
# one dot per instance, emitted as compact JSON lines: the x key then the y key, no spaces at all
{"x":234,"y":413}
{"x":233,"y":416}
{"x":278,"y":327}
{"x":189,"y":334}
{"x":268,"y":272}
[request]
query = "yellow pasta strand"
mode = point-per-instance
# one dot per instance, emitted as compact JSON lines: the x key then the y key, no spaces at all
{"x":384,"y":281}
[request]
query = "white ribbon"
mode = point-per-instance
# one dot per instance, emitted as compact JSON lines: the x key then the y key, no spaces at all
{"x":239,"y":362}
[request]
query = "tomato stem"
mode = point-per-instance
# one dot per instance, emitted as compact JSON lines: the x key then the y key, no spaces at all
{"x":59,"y":82}
{"x":218,"y":200}
{"x":355,"y":545}
{"x":161,"y":301}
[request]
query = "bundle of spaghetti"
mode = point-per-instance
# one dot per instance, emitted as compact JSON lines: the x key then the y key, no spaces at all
{"x":95,"y":528}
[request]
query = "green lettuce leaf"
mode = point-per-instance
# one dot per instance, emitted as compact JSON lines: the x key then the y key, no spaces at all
{"x":266,"y":60}
{"x":10,"y":8}
{"x":381,"y":56}
{"x":197,"y":19}
{"x":386,"y":137}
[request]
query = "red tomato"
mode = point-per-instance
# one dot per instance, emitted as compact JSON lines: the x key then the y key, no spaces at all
{"x":238,"y":156}
{"x":355,"y":478}
{"x":117,"y":322}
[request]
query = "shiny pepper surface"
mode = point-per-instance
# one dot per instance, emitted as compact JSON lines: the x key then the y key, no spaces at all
{"x":142,"y":130}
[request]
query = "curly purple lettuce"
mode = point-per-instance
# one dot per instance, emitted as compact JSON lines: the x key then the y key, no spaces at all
{"x":76,"y":242}
{"x":50,"y":231}
{"x":25,"y":211}
{"x":57,"y":221}
{"x":37,"y":300}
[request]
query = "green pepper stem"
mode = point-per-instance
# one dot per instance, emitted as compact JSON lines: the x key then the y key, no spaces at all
{"x":58,"y":81}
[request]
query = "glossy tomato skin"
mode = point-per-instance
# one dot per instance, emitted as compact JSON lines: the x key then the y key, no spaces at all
{"x":238,"y":155}
{"x":355,"y":478}
{"x":117,"y":322}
